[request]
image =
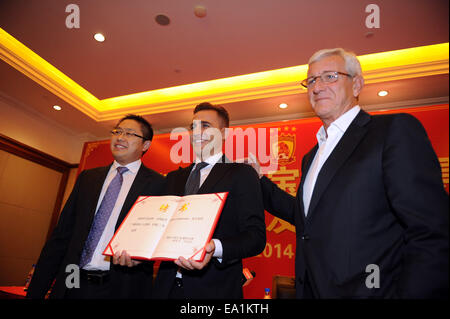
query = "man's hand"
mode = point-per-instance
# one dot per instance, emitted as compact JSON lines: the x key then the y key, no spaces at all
{"x":190,"y":264}
{"x":124,"y":259}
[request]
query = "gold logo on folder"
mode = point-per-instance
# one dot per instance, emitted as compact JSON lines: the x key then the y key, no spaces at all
{"x":183,"y":208}
{"x":164,"y":208}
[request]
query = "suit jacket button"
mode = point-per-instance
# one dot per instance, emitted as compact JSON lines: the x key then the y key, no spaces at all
{"x":305,"y":237}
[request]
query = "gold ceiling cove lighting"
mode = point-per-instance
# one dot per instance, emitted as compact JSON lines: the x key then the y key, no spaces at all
{"x":377,"y":67}
{"x":405,"y":63}
{"x":225,"y":90}
{"x":36,"y":68}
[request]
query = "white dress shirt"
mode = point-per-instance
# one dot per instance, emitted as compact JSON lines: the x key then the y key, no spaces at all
{"x":327,"y":142}
{"x":98,"y":261}
{"x":204,"y":172}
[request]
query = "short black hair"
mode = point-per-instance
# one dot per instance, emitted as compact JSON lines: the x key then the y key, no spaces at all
{"x":146,"y":127}
{"x":223,"y":114}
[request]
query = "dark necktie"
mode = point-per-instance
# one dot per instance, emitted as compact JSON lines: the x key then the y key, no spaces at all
{"x":102,"y":216}
{"x":193,"y":182}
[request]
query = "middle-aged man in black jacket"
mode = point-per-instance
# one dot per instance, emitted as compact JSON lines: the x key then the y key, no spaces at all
{"x":99,"y":201}
{"x":371,"y":212}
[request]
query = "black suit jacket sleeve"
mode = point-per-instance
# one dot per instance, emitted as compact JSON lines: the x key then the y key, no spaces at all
{"x":413,"y":182}
{"x":250,"y":239}
{"x":55,"y":248}
{"x":278,"y":202}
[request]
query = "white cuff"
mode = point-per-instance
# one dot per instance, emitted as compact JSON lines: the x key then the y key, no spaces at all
{"x":218,"y":252}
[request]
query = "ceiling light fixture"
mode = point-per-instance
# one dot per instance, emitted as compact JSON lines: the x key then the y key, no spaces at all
{"x":283,"y":106}
{"x":162,"y":19}
{"x":383,"y":93}
{"x":99,"y":37}
{"x":57,"y":107}
{"x":200,"y":11}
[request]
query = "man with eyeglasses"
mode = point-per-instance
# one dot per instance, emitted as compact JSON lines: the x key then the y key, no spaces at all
{"x":371,"y":212}
{"x":100,"y":200}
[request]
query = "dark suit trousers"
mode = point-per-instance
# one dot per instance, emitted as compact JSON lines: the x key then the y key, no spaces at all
{"x":307,"y":290}
{"x":89,"y":290}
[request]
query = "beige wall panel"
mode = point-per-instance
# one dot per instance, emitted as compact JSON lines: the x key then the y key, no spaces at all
{"x":28,"y":193}
{"x":23,"y":232}
{"x":3,"y":159}
{"x":29,"y":185}
{"x":69,"y":186}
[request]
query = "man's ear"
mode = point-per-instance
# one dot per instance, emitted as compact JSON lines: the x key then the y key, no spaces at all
{"x":358,"y":84}
{"x":146,"y":145}
{"x":225,"y":132}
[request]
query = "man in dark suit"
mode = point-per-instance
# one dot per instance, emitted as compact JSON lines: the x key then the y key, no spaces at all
{"x":240,"y":232}
{"x":100,"y":200}
{"x":371,"y":212}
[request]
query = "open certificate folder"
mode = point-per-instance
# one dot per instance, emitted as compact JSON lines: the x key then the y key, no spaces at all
{"x":167,"y":227}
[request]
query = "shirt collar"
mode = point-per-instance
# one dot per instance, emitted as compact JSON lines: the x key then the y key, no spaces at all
{"x":341,"y":123}
{"x":133,"y":167}
{"x":211,"y":160}
{"x":344,"y":121}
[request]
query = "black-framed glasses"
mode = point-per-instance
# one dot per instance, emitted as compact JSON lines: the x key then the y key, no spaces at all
{"x":127,"y":134}
{"x":325,"y":77}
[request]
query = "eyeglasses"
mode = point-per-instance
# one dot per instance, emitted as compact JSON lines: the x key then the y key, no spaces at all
{"x":118,"y":132}
{"x":325,"y":77}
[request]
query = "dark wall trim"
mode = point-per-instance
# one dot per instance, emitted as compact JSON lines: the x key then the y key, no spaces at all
{"x":12,"y":146}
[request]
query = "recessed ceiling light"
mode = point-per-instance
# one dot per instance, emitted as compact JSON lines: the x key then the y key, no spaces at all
{"x":283,"y":106}
{"x":57,"y":107}
{"x":162,"y":19}
{"x":99,"y":37}
{"x":383,"y":93}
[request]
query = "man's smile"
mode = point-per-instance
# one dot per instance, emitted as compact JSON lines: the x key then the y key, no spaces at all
{"x":120,"y":146}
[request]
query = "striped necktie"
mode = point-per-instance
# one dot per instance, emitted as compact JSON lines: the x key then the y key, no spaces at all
{"x":193,"y":182}
{"x":102,"y":216}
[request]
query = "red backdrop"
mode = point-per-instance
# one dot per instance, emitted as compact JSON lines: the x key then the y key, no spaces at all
{"x":295,"y":138}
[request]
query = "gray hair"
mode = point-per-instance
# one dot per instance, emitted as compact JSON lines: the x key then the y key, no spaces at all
{"x":352,"y":65}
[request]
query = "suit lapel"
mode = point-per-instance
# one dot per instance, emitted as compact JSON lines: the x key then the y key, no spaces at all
{"x":309,"y":157}
{"x":96,"y":183}
{"x":216,"y":174}
{"x":182,"y":178}
{"x":140,"y":181}
{"x":338,"y":157}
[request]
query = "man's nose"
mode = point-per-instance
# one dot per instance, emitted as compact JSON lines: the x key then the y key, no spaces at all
{"x":197,"y":131}
{"x":120,"y":137}
{"x":318,"y":86}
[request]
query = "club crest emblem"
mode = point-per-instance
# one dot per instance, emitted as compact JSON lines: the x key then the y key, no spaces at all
{"x":286,"y":149}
